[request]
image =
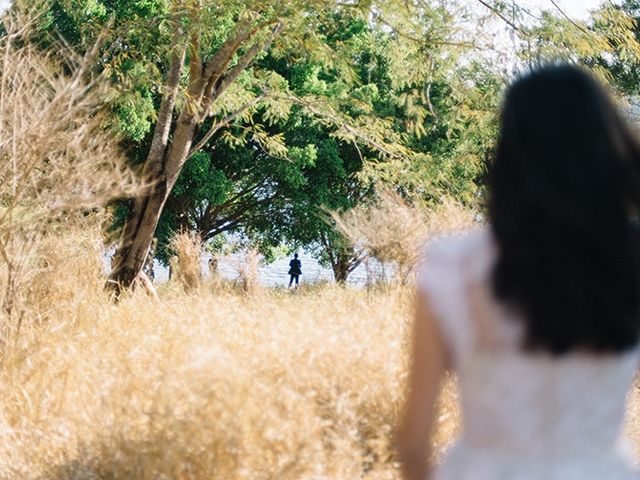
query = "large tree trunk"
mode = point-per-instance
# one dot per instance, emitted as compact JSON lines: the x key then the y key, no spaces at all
{"x":137,"y":236}
{"x":166,"y":159}
{"x":143,"y":218}
{"x":340,"y":272}
{"x":145,"y":211}
{"x":343,"y":260}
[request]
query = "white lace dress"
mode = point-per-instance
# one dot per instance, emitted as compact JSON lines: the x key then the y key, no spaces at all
{"x":525,"y":416}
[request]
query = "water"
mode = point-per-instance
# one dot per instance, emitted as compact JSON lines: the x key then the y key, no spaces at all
{"x":271,"y":275}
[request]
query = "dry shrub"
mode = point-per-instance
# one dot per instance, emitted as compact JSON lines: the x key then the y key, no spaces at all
{"x":185,"y":264}
{"x":202,"y":386}
{"x":248,"y":271}
{"x":75,"y":254}
{"x":449,"y":217}
{"x":392,"y":230}
{"x":57,"y":158}
{"x":632,"y":421}
{"x":235,"y":386}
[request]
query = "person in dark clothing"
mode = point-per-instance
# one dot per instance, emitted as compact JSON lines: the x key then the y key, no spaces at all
{"x":295,"y":270}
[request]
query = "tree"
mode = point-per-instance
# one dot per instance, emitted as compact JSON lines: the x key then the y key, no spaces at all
{"x":203,"y":54}
{"x":244,"y":188}
{"x":606,"y":42}
{"x":208,"y":100}
{"x":619,"y":24}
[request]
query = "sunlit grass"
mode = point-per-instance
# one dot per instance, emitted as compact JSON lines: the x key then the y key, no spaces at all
{"x":300,"y":384}
{"x":202,"y":385}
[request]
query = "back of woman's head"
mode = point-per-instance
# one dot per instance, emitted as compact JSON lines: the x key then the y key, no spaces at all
{"x":565,"y":193}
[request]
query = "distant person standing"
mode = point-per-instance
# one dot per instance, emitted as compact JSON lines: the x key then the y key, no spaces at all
{"x":295,"y":270}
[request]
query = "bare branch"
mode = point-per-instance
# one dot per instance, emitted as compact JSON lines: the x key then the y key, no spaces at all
{"x":234,"y":219}
{"x":218,"y":64}
{"x":195,"y":62}
{"x":247,"y":59}
{"x":500,"y":15}
{"x":220,"y":61}
{"x":224,"y":122}
{"x":418,"y":40}
{"x":165,"y":114}
{"x":567,"y":17}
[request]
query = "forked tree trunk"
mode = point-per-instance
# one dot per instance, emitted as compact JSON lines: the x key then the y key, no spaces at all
{"x":143,"y":218}
{"x":340,"y":272}
{"x":343,"y":261}
{"x":145,"y":212}
{"x":166,"y":159}
{"x":139,"y":229}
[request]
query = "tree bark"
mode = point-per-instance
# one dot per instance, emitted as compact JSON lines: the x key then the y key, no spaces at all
{"x":143,"y":218}
{"x":137,"y":236}
{"x":167,"y":157}
{"x":342,"y":263}
{"x":340,"y":272}
{"x":146,"y":208}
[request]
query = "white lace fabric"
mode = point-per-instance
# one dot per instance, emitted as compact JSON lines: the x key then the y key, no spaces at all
{"x":525,"y":415}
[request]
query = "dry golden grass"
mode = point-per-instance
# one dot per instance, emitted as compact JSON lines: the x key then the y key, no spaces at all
{"x":57,"y":160}
{"x":199,"y":386}
{"x":185,"y":263}
{"x":248,"y":275}
{"x":304,"y":385}
{"x":393,"y":230}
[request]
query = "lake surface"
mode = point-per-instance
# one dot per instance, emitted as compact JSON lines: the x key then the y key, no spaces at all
{"x":271,"y":275}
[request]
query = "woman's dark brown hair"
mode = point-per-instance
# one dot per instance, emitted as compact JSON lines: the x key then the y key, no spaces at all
{"x":564,"y":202}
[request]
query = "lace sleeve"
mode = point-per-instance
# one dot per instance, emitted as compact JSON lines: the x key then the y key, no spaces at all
{"x":441,"y":278}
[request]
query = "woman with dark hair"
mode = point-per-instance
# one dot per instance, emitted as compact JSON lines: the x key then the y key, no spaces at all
{"x":539,"y":313}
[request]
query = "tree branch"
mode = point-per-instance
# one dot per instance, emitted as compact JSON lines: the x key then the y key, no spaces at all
{"x":195,"y":62}
{"x":209,"y":217}
{"x":567,"y":17}
{"x":429,"y":42}
{"x":246,"y":59}
{"x":217,"y":84}
{"x":218,"y":63}
{"x":339,"y":121}
{"x":325,"y":243}
{"x":213,"y":233}
{"x":224,"y":122}
{"x":235,"y":198}
{"x":235,"y":218}
{"x":500,"y":15}
{"x":355,"y":263}
{"x":165,"y":113}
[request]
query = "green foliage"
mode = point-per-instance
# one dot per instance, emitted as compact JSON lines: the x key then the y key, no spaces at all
{"x":202,"y":183}
{"x":135,"y":114}
{"x":134,"y":50}
{"x":607,"y":43}
{"x":621,"y":62}
{"x":345,"y":98}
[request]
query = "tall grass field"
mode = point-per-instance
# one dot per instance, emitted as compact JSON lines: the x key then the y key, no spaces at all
{"x":208,"y":384}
